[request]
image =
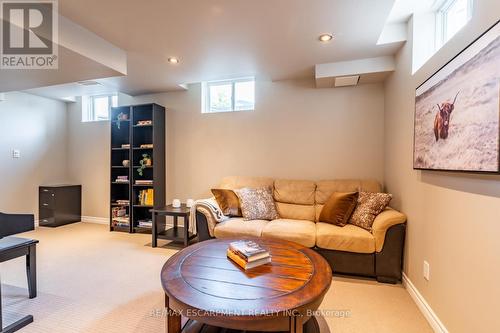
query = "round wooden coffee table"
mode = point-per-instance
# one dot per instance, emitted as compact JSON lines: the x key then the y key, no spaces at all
{"x":203,"y":285}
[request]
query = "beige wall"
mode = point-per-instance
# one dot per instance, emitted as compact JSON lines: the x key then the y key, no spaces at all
{"x":89,"y":160}
{"x":37,"y":127}
{"x":296,"y":131}
{"x":454,"y":219}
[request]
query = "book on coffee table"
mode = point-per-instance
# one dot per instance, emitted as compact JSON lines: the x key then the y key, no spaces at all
{"x":248,"y":254}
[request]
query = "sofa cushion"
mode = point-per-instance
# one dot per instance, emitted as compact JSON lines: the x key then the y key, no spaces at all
{"x":298,"y":231}
{"x":237,"y":227}
{"x":325,"y":188}
{"x":348,"y":238}
{"x":295,"y":212}
{"x":299,"y":192}
{"x":257,"y":203}
{"x":339,"y":207}
{"x":236,"y":182}
{"x":228,"y":202}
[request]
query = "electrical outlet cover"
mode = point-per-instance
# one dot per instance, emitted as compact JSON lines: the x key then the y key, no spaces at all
{"x":427,"y":270}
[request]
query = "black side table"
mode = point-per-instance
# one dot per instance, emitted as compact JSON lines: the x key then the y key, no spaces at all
{"x":176,"y":233}
{"x":10,"y":248}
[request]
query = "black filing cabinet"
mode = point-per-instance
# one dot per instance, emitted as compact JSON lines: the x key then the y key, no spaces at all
{"x":60,"y":204}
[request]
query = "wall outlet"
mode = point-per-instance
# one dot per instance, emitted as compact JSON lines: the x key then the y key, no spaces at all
{"x":16,"y":153}
{"x":427,"y":271}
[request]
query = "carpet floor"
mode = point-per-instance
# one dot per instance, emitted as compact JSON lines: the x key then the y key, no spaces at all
{"x":94,"y":281}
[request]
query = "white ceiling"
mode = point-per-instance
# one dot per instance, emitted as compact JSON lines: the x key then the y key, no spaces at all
{"x":214,"y":39}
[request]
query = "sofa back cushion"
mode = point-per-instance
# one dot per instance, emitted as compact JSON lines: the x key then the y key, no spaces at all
{"x":301,"y":199}
{"x":325,"y":188}
{"x":295,"y":199}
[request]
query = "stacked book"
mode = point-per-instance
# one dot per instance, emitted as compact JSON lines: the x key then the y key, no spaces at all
{"x":146,"y":197}
{"x":248,"y":254}
{"x":122,"y":179}
{"x":145,"y":224}
{"x":123,"y":202}
{"x":144,"y":182}
{"x":126,"y":145}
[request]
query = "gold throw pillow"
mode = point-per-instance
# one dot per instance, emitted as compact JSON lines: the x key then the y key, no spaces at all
{"x":338,"y":208}
{"x":228,"y":202}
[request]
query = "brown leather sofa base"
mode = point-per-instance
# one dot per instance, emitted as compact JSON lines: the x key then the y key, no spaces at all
{"x":386,"y":266}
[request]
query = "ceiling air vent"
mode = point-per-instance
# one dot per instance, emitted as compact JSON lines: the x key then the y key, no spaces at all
{"x":89,"y":83}
{"x":346,"y":81}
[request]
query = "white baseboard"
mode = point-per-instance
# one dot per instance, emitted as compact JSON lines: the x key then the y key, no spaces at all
{"x":97,"y":220}
{"x":423,"y":306}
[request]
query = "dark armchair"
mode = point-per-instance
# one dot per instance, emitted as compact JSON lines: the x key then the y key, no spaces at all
{"x":11,"y":224}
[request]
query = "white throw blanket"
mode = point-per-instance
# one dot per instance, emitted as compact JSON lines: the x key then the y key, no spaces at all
{"x":210,"y":205}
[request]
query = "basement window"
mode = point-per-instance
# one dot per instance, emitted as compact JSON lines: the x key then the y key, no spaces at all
{"x":451,"y":16}
{"x":228,"y":95}
{"x":98,"y":108}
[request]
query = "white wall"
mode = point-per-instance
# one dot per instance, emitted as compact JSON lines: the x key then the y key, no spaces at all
{"x":453,"y":219}
{"x":37,"y":127}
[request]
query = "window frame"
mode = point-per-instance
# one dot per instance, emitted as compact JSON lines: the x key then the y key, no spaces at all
{"x":207,"y":99}
{"x":442,"y":20}
{"x":90,"y":110}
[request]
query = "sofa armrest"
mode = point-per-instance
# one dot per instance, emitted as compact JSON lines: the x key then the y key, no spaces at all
{"x":205,"y":220}
{"x":388,"y":218}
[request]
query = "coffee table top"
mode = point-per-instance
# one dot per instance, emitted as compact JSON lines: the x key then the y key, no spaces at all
{"x":201,"y":277}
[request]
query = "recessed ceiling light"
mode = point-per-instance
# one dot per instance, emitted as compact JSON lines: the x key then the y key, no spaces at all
{"x":325,"y":38}
{"x":173,"y":60}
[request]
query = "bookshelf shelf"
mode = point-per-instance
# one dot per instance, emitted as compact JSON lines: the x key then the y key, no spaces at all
{"x":127,"y":133}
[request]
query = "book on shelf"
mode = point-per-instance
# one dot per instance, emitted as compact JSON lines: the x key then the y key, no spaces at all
{"x":126,"y":145}
{"x":145,"y":223}
{"x":146,"y":145}
{"x":118,"y":212}
{"x":122,"y":202}
{"x":121,"y":179}
{"x":240,"y":261}
{"x":144,"y":182}
{"x":146,"y":197}
{"x":122,"y":220}
{"x":249,"y":250}
{"x":144,"y":123}
{"x":121,"y":224}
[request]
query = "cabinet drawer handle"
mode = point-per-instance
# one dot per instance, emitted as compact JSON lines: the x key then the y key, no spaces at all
{"x":45,"y":204}
{"x":45,"y":221}
{"x":45,"y":190}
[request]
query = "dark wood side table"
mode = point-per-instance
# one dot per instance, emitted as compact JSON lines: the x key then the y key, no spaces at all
{"x":14,"y":247}
{"x":203,"y":285}
{"x":176,"y":233}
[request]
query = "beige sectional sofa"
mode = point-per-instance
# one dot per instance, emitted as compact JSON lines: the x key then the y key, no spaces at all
{"x":349,"y":249}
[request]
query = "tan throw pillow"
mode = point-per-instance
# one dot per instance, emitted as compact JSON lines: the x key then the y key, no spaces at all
{"x":257,"y":203}
{"x":338,"y":208}
{"x":369,"y":206}
{"x":228,"y":202}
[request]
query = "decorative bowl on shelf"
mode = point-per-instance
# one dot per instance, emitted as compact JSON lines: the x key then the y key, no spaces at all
{"x":126,"y":163}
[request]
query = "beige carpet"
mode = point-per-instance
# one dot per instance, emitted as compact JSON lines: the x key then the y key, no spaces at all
{"x":91,"y":280}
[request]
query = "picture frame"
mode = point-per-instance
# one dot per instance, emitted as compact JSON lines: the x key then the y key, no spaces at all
{"x":457,"y":111}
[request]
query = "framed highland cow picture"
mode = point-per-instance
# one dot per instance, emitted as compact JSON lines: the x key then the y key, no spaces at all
{"x":457,"y":111}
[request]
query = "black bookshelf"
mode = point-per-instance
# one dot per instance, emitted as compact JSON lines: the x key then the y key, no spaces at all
{"x":130,"y":132}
